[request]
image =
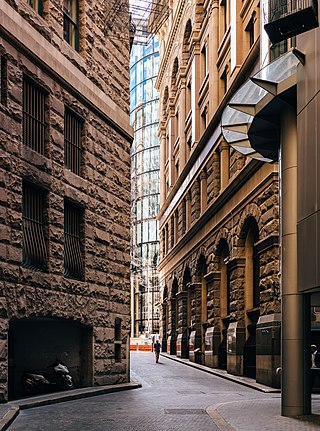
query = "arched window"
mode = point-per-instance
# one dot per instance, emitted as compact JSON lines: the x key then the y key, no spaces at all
{"x":225,"y":300}
{"x":186,"y":288}
{"x":186,"y":42}
{"x":252,"y":266}
{"x":174,"y":73}
{"x":174,"y":308}
{"x":165,"y":101}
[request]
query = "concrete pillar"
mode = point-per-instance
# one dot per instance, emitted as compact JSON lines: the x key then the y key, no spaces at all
{"x":296,"y":399}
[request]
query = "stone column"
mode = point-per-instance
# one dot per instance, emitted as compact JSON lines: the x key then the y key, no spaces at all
{"x":203,"y":192}
{"x":162,"y":138}
{"x":213,"y":50}
{"x":172,"y":138}
{"x":188,"y":211}
{"x":182,"y":138}
{"x":224,"y":165}
{"x":195,"y":87}
{"x":296,"y":399}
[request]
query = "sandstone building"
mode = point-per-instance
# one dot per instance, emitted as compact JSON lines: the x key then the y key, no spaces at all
{"x":64,"y":190}
{"x":219,"y":216}
{"x":234,"y":98}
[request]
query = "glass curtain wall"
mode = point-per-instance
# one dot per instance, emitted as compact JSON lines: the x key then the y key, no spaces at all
{"x":145,"y":188}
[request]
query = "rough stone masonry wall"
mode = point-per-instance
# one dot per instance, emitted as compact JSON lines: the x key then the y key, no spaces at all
{"x":103,"y":41}
{"x":103,"y":190}
{"x":264,"y":208}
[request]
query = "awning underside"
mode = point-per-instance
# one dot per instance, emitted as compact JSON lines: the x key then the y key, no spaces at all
{"x":251,"y":121}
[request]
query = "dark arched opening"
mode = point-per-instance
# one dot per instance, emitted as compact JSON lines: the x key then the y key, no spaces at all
{"x":36,"y":342}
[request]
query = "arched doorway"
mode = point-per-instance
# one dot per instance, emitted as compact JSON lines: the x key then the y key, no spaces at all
{"x":165,"y":318}
{"x":174,"y":317}
{"x":224,"y":298}
{"x":186,"y":313}
{"x":36,"y":342}
{"x":252,"y":295}
{"x":202,"y":311}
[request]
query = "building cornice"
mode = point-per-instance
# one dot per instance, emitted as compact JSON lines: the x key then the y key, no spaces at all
{"x":18,"y":32}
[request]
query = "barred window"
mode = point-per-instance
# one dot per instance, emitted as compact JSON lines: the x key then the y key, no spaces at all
{"x":34,"y":243}
{"x":72,"y":142}
{"x":70,"y":23}
{"x":34,"y":121}
{"x":3,"y":81}
{"x":36,"y":5}
{"x":73,"y":244}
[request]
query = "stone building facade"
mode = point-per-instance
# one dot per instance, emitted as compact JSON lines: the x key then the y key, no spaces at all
{"x":219,"y":216}
{"x":64,"y":190}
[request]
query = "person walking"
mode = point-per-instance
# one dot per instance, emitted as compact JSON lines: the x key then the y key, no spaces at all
{"x":156,"y":349}
{"x":315,"y":364}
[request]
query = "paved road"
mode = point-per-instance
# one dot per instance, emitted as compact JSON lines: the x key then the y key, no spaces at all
{"x":173,"y":397}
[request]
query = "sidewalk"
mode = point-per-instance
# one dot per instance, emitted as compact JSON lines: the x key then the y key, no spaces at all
{"x":259,"y":415}
{"x":10,"y":410}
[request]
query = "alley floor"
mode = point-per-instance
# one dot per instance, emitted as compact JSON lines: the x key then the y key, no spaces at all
{"x":173,"y":397}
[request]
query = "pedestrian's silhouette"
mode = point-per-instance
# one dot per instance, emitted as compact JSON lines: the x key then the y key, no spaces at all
{"x":156,"y":349}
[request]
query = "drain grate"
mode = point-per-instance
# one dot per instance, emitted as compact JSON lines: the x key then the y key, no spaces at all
{"x":184,"y":411}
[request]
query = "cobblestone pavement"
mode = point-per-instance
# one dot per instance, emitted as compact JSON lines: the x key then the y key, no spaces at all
{"x":173,"y":397}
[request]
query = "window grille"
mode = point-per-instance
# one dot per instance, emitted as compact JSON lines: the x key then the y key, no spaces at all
{"x":3,"y":80}
{"x":73,"y":259}
{"x":34,"y":245}
{"x":34,"y":123}
{"x":72,"y":142}
{"x":70,"y":23}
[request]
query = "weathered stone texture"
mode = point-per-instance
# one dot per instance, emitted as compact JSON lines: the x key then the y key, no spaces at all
{"x":104,"y":52}
{"x":102,"y":190}
{"x":264,"y":209}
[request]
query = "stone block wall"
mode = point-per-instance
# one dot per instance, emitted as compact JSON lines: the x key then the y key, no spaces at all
{"x":103,"y":42}
{"x":84,"y":83}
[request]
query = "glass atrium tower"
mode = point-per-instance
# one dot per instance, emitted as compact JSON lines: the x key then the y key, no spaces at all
{"x":145,"y":191}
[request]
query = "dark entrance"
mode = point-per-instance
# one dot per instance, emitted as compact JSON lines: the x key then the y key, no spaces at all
{"x":222,"y":351}
{"x":35,"y":343}
{"x":249,"y":353}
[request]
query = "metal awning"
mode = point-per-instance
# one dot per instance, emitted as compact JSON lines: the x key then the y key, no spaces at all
{"x":251,"y":121}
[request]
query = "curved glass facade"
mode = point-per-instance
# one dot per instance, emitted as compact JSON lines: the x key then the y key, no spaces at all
{"x":145,"y":188}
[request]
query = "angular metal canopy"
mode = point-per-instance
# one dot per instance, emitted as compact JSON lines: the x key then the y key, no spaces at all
{"x":251,"y":121}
